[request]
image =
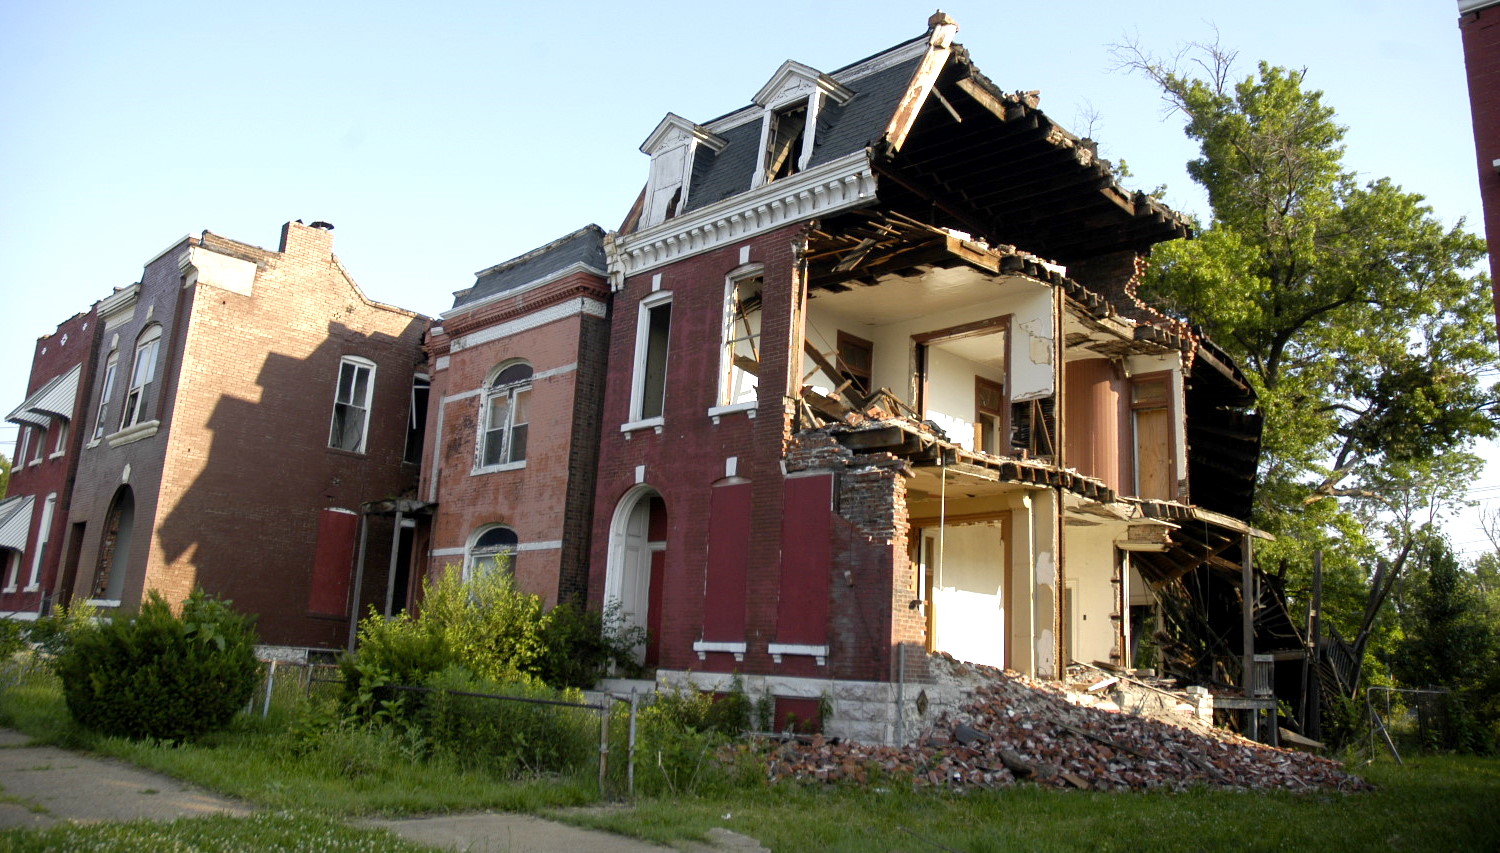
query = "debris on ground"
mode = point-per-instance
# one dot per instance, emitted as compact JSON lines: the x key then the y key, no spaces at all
{"x":1015,"y":729}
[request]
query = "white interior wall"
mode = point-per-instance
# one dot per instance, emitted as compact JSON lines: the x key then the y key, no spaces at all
{"x":968,"y":593}
{"x":1029,"y":305}
{"x":1090,"y":554}
{"x":950,"y":392}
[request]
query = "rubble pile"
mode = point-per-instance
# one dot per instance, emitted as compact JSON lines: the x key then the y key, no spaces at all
{"x":1014,"y":730}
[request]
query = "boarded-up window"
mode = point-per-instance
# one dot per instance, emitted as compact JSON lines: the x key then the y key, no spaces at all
{"x":806,"y":552}
{"x":333,"y":560}
{"x":1153,"y":438}
{"x":728,"y":563}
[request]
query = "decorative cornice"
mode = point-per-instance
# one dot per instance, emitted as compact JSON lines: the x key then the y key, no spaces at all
{"x":530,"y":320}
{"x":841,"y":184}
{"x":120,"y":301}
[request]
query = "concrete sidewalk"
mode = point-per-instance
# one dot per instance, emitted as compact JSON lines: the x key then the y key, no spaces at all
{"x":43,"y":785}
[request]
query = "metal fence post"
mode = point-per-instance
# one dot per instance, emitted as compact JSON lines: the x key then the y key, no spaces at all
{"x":265,"y":708}
{"x":604,"y":741}
{"x":630,"y":765}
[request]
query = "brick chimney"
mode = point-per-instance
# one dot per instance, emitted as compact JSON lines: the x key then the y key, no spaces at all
{"x":315,"y":240}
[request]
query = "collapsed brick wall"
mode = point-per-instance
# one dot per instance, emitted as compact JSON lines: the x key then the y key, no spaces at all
{"x":872,"y":581}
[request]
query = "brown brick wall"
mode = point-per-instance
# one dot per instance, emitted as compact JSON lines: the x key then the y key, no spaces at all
{"x":233,"y":482}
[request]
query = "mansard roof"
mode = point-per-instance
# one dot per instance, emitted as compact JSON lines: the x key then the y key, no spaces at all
{"x":582,"y":250}
{"x":945,"y":145}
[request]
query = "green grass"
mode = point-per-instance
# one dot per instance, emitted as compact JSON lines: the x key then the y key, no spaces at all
{"x":1432,"y":803}
{"x":1439,"y":804}
{"x":356,"y":773}
{"x":261,"y":832}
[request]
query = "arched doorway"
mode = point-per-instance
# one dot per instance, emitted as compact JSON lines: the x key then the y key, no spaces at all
{"x":637,"y":557}
{"x":114,"y":547}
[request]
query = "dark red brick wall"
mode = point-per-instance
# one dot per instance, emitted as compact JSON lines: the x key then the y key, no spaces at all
{"x":74,"y":342}
{"x":1481,"y":41}
{"x":867,"y":581}
{"x":684,"y":461}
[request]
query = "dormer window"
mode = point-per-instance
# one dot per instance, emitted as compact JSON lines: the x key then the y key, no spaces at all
{"x":784,"y":150}
{"x":791,"y":101}
{"x":672,"y":146}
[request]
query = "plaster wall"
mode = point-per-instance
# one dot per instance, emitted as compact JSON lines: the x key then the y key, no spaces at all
{"x":1091,"y":558}
{"x":969,"y":593}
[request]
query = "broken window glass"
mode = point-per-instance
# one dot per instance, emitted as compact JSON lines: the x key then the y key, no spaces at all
{"x":503,"y":436}
{"x":653,"y":378}
{"x":742,"y":342}
{"x":351,"y":405}
{"x":785,"y":145}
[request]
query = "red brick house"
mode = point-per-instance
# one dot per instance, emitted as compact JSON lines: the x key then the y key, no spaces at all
{"x":879,"y":384}
{"x":1479,"y":25}
{"x":248,"y":403}
{"x":512,"y":435}
{"x":51,"y":421}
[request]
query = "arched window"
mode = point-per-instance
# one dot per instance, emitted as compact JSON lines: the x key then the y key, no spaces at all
{"x":491,"y":547}
{"x":142,"y":371}
{"x":502,"y":430}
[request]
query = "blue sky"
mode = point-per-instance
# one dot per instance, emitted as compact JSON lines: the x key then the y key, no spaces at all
{"x":441,"y":138}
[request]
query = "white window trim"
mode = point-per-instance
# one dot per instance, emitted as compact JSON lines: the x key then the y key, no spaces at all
{"x":778,"y":649}
{"x":469,"y":556}
{"x":638,"y":370}
{"x":61,"y":447}
{"x":487,"y":395}
{"x":728,"y":333}
{"x":144,"y":429}
{"x":106,"y":390}
{"x":33,"y":583}
{"x":369,"y":401}
{"x":147,"y":351}
{"x":703,"y":647}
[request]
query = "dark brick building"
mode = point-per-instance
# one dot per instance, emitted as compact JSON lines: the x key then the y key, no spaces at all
{"x":247,"y":404}
{"x":52,"y":425}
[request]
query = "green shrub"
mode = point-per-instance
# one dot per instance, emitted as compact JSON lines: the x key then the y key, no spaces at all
{"x":579,"y":646}
{"x":12,"y":639}
{"x":51,"y":634}
{"x":507,"y":737}
{"x":160,"y":676}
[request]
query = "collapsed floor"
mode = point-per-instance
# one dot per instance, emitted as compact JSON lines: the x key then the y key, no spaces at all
{"x":1014,"y":729}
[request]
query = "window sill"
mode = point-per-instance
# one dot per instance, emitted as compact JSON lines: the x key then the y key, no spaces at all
{"x":103,"y":602}
{"x":32,"y":587}
{"x":779,"y":649}
{"x":58,"y":455}
{"x":35,"y":462}
{"x":357,"y":454}
{"x":93,"y":443}
{"x":719,"y":411}
{"x":144,"y":429}
{"x":648,"y":423}
{"x":703,"y":647}
{"x":8,"y":590}
{"x":505,"y":466}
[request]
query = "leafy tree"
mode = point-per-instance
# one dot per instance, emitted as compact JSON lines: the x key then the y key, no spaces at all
{"x":4,"y":476}
{"x":1450,"y":640}
{"x":1353,"y":311}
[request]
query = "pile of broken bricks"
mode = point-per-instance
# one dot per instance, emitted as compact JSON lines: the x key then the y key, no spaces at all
{"x":1015,"y":730}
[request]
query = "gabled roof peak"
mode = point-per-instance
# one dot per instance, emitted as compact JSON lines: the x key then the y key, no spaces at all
{"x":793,"y":80}
{"x":674,"y":128}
